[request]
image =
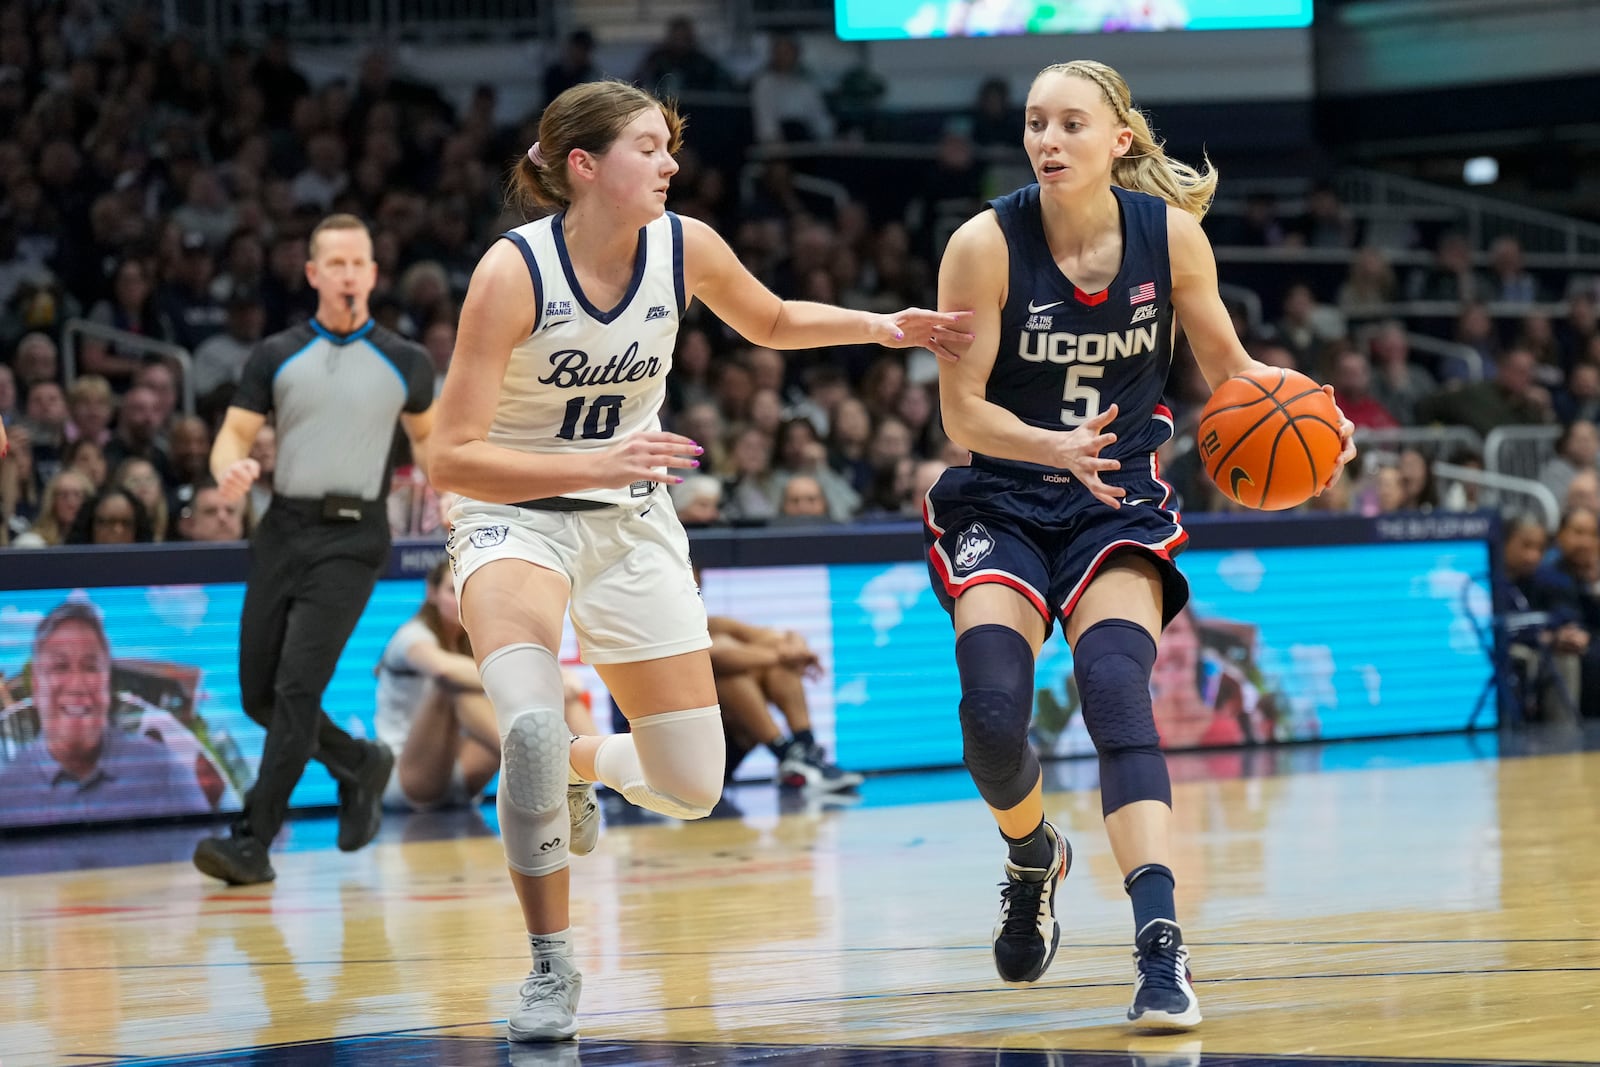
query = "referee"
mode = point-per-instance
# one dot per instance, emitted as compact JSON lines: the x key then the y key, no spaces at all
{"x":335,"y":386}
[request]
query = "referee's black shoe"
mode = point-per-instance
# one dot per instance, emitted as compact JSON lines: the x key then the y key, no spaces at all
{"x":361,"y":801}
{"x":237,"y":859}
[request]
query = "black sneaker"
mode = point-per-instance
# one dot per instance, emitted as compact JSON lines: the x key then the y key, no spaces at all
{"x":1027,"y":933}
{"x":806,"y":767}
{"x":237,"y":860}
{"x":361,"y":802}
{"x":1163,"y":996}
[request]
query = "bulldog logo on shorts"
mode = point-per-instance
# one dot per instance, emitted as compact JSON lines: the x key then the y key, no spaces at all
{"x":973,"y":544}
{"x":489,"y":536}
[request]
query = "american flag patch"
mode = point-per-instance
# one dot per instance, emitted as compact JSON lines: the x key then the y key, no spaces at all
{"x":1142,"y":294}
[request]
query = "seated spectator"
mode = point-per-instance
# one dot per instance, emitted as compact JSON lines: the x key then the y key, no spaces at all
{"x":801,"y":452}
{"x":1538,"y":336}
{"x":1397,"y":382}
{"x":19,"y":491}
{"x":90,"y":409}
{"x":220,"y":358}
{"x":1583,"y":492}
{"x":1327,"y":223}
{"x":1507,"y":399}
{"x":189,"y":448}
{"x":1352,"y":381}
{"x":209,"y":516}
{"x":1475,"y":328}
{"x":88,"y":459}
{"x":786,"y":103}
{"x":160,"y":377}
{"x":138,"y":433}
{"x":574,"y":66}
{"x":803,"y":500}
{"x":139,"y":478}
{"x":755,"y":667}
{"x":1509,"y":281}
{"x":1566,"y":589}
{"x":677,"y":64}
{"x":1370,"y":281}
{"x":1545,"y":679}
{"x":113,"y":517}
{"x":63,"y":496}
{"x":995,"y":120}
{"x":46,"y":418}
{"x":1580,"y":398}
{"x":1420,"y":492}
{"x":35,"y":360}
{"x":698,"y":500}
{"x":1576,"y":450}
{"x":1306,"y":325}
{"x":751,"y":490}
{"x":1450,"y":277}
{"x":132,"y":308}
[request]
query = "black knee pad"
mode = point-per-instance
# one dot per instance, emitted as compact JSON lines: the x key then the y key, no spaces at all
{"x":996,"y":666}
{"x":1112,"y":662}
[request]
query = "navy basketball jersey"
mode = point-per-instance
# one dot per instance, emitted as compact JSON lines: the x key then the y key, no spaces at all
{"x":1066,"y":355}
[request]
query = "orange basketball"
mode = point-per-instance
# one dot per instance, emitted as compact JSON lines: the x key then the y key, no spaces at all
{"x":1269,"y":438}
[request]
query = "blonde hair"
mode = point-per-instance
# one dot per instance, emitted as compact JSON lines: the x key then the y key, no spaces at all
{"x":589,"y":116}
{"x":46,"y":526}
{"x":1146,"y":168}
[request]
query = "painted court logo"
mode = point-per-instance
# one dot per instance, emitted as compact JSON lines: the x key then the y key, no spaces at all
{"x":489,"y":536}
{"x":972,"y":546}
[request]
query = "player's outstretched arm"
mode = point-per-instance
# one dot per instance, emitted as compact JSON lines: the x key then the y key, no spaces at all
{"x":714,"y":274}
{"x":1206,"y":323}
{"x":498,"y":314}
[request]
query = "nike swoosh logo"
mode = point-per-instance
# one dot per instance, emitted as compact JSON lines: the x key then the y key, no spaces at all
{"x":1236,"y":476}
{"x":547,"y":325}
{"x":1136,"y":503}
{"x":1034,"y":310}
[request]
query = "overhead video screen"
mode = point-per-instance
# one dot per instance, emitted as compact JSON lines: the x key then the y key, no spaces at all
{"x":885,"y":20}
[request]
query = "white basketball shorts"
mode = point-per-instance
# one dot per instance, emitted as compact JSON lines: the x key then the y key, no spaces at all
{"x":633,"y":593}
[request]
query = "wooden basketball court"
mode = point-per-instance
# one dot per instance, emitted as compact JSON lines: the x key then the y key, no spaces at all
{"x":1421,"y":900}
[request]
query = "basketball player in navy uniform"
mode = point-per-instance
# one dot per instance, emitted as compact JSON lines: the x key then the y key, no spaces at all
{"x":1074,"y":281}
{"x":548,"y":432}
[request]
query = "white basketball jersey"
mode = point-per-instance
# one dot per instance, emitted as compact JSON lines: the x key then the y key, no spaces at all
{"x":587,"y":378}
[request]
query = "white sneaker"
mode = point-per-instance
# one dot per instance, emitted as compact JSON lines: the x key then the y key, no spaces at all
{"x":1163,"y":996}
{"x":584,"y":814}
{"x":549,"y":1009}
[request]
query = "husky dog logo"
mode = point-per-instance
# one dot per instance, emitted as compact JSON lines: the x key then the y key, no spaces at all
{"x":489,"y":536}
{"x":973,"y":544}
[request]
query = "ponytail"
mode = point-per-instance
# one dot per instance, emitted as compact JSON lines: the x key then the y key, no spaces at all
{"x":1146,"y":167}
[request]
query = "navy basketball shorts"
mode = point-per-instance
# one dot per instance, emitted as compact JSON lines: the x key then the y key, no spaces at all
{"x":1041,"y":533}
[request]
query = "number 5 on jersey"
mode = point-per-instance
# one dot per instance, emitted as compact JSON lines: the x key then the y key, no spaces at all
{"x":1073,"y":393}
{"x":601,"y":422}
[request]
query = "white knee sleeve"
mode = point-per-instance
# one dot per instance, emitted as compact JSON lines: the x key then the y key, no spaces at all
{"x":670,"y":763}
{"x":524,"y":683}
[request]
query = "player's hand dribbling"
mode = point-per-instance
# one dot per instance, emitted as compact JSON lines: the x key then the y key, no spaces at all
{"x":641,"y":457}
{"x":1078,"y":450}
{"x":919,"y":328}
{"x":1347,"y":435}
{"x":238,"y":478}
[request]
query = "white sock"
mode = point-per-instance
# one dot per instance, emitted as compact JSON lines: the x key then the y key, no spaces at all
{"x":548,"y":947}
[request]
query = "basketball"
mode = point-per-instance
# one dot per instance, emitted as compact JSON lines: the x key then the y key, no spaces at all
{"x":1269,"y":438}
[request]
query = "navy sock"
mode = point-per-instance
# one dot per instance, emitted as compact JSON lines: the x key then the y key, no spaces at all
{"x":1150,"y":886}
{"x":1036,"y":849}
{"x":805,"y":737}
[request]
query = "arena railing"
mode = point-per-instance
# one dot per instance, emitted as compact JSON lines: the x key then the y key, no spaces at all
{"x":1432,"y":441}
{"x":1520,"y":451}
{"x":1506,"y":494}
{"x":76,"y":328}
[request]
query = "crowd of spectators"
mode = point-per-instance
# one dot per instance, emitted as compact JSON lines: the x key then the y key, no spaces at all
{"x":166,"y":193}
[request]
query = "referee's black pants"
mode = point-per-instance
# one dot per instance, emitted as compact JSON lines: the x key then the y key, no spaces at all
{"x":309,"y":583}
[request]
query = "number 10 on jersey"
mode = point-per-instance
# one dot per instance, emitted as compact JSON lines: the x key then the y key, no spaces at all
{"x":599,"y":424}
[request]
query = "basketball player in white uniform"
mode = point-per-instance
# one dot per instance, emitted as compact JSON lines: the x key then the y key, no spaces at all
{"x":548,"y":431}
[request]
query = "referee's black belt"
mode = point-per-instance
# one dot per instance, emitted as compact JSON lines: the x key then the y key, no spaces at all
{"x":563,"y":503}
{"x":331,"y":508}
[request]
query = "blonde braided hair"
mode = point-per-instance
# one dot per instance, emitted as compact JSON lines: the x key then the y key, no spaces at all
{"x":1146,"y":167}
